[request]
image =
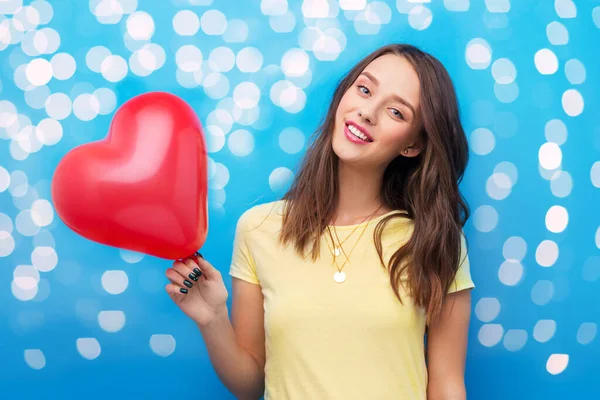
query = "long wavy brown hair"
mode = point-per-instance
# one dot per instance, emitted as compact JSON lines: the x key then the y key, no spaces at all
{"x":425,"y":187}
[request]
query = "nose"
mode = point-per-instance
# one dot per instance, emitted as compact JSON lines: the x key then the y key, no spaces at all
{"x":366,"y":115}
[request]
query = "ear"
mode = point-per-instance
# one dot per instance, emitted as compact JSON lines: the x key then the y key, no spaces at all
{"x":413,"y":150}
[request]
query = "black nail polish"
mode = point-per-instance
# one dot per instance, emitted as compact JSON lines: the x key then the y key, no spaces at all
{"x":199,"y":255}
{"x":187,"y":283}
{"x":183,"y":290}
{"x":198,"y":272}
{"x":193,"y":276}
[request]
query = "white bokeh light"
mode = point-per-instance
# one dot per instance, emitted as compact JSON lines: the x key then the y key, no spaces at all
{"x":557,"y":33}
{"x":550,"y":156}
{"x":510,"y":272}
{"x":557,"y":219}
{"x":115,"y":281}
{"x":34,"y":358}
{"x":63,"y":66}
{"x":504,"y":71}
{"x":213,"y":22}
{"x":586,"y":333}
{"x":140,"y":25}
{"x":546,"y":253}
{"x":88,"y":348}
{"x":295,"y":63}
{"x":572,"y":102}
{"x":544,"y":330}
{"x":514,"y":248}
{"x":557,"y":363}
{"x":420,"y":18}
{"x":44,"y":258}
{"x":162,"y":345}
{"x":114,"y":68}
{"x":111,"y":321}
{"x":478,"y":54}
{"x":240,"y":143}
{"x":487,"y":309}
{"x":515,"y":339}
{"x":490,"y":334}
{"x":249,"y":59}
{"x":546,"y":61}
{"x":482,"y":141}
{"x":485,"y":218}
{"x":39,"y":71}
{"x":186,"y":23}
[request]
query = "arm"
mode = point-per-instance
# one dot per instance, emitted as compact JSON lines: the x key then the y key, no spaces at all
{"x":447,"y":348}
{"x":238,"y":356}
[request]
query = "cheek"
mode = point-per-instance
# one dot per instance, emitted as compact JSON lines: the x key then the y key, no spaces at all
{"x":395,"y":136}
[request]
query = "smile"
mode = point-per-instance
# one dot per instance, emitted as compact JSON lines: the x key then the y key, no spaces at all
{"x":356,"y":134}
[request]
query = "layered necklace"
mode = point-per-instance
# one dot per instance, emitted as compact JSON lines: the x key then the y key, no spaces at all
{"x":338,"y":250}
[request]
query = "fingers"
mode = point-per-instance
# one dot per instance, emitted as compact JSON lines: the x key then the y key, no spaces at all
{"x":174,"y":290}
{"x":178,"y":280}
{"x":187,"y":269}
{"x":209,"y":271}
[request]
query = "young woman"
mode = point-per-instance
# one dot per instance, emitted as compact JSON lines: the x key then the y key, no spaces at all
{"x":337,"y":285}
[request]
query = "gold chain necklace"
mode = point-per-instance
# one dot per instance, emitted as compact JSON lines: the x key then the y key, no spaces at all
{"x":340,"y":276}
{"x":338,"y":250}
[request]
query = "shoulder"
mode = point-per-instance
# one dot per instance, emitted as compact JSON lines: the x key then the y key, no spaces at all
{"x":267,"y":212}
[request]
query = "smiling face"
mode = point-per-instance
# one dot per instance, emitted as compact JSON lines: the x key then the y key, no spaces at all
{"x":382,"y":109}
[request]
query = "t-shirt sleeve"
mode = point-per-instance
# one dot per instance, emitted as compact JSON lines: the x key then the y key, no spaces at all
{"x":462,"y":280}
{"x":242,"y":262}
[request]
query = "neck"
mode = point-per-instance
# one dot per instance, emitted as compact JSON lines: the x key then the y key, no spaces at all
{"x":358,"y":194}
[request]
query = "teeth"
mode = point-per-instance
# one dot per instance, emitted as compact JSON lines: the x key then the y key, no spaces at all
{"x":357,"y":133}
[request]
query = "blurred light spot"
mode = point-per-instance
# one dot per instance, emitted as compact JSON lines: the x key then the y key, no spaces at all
{"x":295,"y":63}
{"x":220,"y":178}
{"x":58,"y":106}
{"x":46,"y":41}
{"x":213,"y":22}
{"x":420,"y":17}
{"x":115,"y":281}
{"x":236,"y":32}
{"x":490,"y":334}
{"x":572,"y":102}
{"x":189,"y":58}
{"x":515,"y":248}
{"x":596,"y":16}
{"x":515,"y":339}
{"x":546,"y":253}
{"x":565,"y":8}
{"x":561,"y":184}
{"x":586,"y":333}
{"x":485,"y":218}
{"x":36,"y":97}
{"x":186,"y":23}
{"x":591,"y":269}
{"x":162,"y":345}
{"x":283,"y":23}
{"x":482,"y":141}
{"x":42,"y":212}
{"x":273,"y":7}
{"x":506,"y":93}
{"x":107,"y":11}
{"x":95,"y":56}
{"x":86,"y":107}
{"x":107,"y":100}
{"x":35,"y":358}
{"x":240,"y":143}
{"x":594,"y":175}
{"x":546,"y":61}
{"x":7,"y":243}
{"x":88,"y":348}
{"x":452,"y":5}
{"x":498,"y":186}
{"x":39,"y":71}
{"x":487,"y":309}
{"x":114,"y":68}
{"x":44,"y":10}
{"x":140,"y":25}
{"x":317,"y":9}
{"x":26,"y":277}
{"x":131,"y":257}
{"x":557,"y":33}
{"x":221,"y":118}
{"x":556,"y":131}
{"x":557,"y":219}
{"x":44,"y":258}
{"x":63,"y":66}
{"x":542,"y":292}
{"x":49,"y":131}
{"x":25,"y":224}
{"x":291,"y":140}
{"x":497,"y":6}
{"x":544,"y":330}
{"x":557,"y":363}
{"x":280,"y":179}
{"x":249,"y":59}
{"x":550,"y":156}
{"x":5,"y":221}
{"x":222,"y":59}
{"x":504,"y":71}
{"x":43,"y":290}
{"x":510,"y":272}
{"x":246,"y":95}
{"x":478,"y":54}
{"x":111,"y":321}
{"x":215,"y":138}
{"x":575,"y":71}
{"x":216,"y":85}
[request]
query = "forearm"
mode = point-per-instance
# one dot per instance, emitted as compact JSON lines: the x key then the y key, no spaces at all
{"x":234,"y":366}
{"x":450,"y":389}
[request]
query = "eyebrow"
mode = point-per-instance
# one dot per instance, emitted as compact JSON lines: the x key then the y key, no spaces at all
{"x":396,"y":97}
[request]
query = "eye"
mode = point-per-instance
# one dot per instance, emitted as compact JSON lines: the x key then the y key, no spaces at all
{"x":397,"y":113}
{"x":365,"y":91}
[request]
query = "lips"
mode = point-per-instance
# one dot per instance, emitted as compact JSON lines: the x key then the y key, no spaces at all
{"x":363,"y":130}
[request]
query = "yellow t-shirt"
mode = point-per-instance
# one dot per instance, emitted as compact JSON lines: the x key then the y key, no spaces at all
{"x":328,"y":340}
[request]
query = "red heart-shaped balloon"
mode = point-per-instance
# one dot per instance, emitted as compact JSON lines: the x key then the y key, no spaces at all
{"x":144,"y":186}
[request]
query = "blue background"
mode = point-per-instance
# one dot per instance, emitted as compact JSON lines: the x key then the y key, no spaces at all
{"x":82,"y":319}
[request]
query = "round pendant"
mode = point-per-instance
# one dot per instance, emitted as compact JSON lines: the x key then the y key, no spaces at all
{"x":337,"y":252}
{"x":339,"y":277}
